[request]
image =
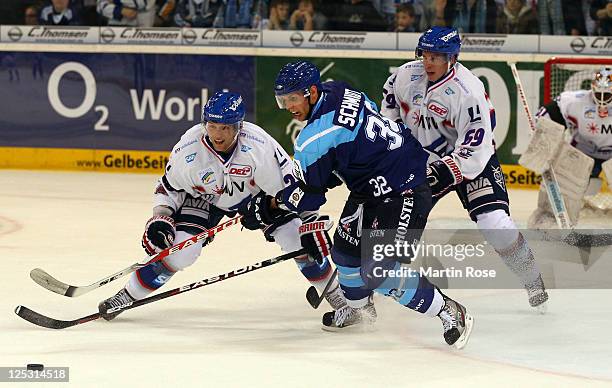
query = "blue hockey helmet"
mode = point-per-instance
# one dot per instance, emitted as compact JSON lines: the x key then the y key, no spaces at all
{"x":224,"y":108}
{"x":444,"y":40}
{"x":293,"y":77}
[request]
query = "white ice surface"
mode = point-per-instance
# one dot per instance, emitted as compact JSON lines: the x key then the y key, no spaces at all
{"x":257,"y":330}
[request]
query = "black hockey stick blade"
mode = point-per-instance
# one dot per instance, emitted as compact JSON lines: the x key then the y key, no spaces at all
{"x":51,"y":323}
{"x":313,"y":297}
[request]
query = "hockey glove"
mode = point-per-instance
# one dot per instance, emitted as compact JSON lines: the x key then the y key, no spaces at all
{"x":314,"y":237}
{"x":159,"y":234}
{"x":257,"y":214}
{"x":442,"y":175}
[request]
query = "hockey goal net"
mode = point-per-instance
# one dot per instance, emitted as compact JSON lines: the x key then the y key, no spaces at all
{"x":563,"y":74}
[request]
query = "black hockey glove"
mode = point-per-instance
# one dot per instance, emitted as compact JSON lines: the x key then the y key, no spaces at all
{"x":159,"y":234}
{"x":257,"y":213}
{"x":442,"y":175}
{"x":314,"y":237}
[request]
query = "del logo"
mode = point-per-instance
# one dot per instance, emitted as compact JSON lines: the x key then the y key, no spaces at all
{"x":589,"y":113}
{"x":240,"y":170}
{"x":437,"y":109}
{"x":415,"y":77}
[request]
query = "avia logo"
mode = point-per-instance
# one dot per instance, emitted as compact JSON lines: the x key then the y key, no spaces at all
{"x":440,"y":111}
{"x":479,"y":184}
{"x":240,"y":170}
{"x":190,"y":158}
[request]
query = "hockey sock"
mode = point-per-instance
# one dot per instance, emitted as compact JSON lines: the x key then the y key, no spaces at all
{"x":317,"y":274}
{"x":148,"y":279}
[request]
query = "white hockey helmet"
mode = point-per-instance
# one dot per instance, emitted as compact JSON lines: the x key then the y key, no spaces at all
{"x":602,"y":87}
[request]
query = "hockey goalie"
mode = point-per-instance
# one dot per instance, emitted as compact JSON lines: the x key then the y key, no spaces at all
{"x":573,"y":136}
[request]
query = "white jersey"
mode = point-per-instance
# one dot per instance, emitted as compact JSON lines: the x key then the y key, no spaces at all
{"x":591,"y":133}
{"x":450,"y":117}
{"x":257,"y":163}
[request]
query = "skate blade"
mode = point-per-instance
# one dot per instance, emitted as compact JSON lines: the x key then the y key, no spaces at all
{"x":462,"y":341}
{"x":357,"y":328}
{"x":542,"y":308}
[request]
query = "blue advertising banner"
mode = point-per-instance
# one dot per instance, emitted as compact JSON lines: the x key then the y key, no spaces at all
{"x":112,"y":101}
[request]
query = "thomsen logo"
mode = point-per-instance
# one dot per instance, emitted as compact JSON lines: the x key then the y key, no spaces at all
{"x":189,"y":36}
{"x":296,"y":39}
{"x":240,"y":170}
{"x":107,"y":35}
{"x":578,"y":45}
{"x":15,"y":34}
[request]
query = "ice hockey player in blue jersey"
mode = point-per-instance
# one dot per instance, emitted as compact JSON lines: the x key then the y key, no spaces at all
{"x":347,"y":141}
{"x":446,"y":108}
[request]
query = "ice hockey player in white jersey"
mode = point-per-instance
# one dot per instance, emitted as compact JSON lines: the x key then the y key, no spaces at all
{"x":220,"y":167}
{"x":448,"y":111}
{"x":587,"y":114}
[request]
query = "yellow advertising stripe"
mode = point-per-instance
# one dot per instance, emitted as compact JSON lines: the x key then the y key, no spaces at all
{"x":155,"y":161}
{"x":519,"y":177}
{"x":83,"y":159}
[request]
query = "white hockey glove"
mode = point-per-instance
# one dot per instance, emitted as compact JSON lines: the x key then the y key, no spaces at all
{"x":442,"y":175}
{"x":544,"y":145}
{"x":314,"y":237}
{"x":159,"y":234}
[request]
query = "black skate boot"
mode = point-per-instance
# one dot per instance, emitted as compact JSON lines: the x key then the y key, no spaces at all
{"x":457,"y":323}
{"x":121,"y":298}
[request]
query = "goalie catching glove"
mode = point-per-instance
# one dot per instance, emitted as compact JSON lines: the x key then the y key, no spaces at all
{"x":314,"y":237}
{"x":159,"y":234}
{"x":442,"y":175}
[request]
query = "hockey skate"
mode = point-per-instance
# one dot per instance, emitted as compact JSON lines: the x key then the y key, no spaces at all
{"x":121,"y":298}
{"x":347,"y":316}
{"x":336,"y":298}
{"x":457,"y":323}
{"x":537,"y":295}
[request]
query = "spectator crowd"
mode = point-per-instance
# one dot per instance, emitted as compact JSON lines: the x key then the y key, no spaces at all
{"x":551,"y":17}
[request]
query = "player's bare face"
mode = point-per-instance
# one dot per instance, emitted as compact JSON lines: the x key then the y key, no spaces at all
{"x":436,"y":65}
{"x":222,"y":136}
{"x":297,"y":105}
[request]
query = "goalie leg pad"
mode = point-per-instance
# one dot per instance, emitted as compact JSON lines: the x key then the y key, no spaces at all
{"x":607,"y":169}
{"x":573,"y":170}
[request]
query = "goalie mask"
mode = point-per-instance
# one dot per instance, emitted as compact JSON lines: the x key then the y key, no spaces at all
{"x":601,"y":87}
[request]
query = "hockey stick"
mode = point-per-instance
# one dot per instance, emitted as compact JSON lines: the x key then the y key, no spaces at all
{"x":52,"y":284}
{"x":555,"y":197}
{"x":51,"y":323}
{"x":313,"y":297}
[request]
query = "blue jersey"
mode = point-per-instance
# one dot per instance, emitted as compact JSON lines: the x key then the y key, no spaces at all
{"x":347,"y":140}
